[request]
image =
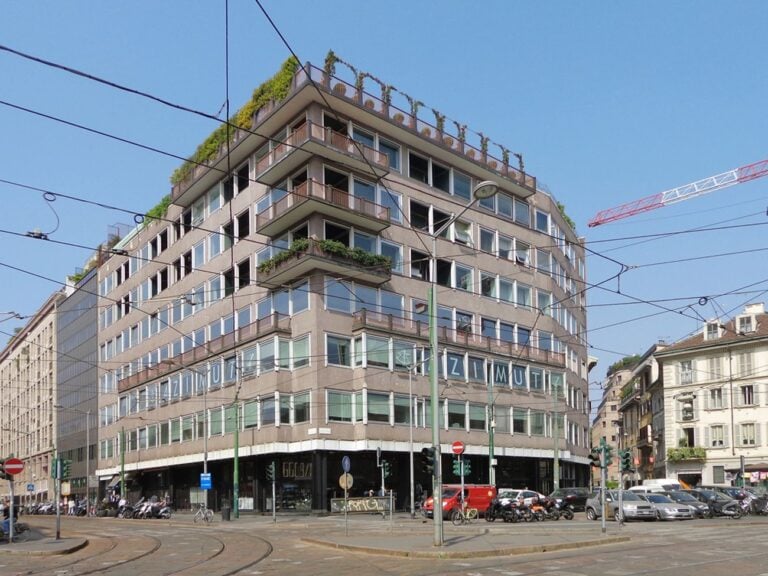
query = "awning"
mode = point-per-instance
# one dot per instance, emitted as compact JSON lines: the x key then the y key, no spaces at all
{"x":114,"y":482}
{"x":760,"y":467}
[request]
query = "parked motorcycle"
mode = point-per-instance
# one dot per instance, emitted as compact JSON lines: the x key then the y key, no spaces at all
{"x":726,"y":508}
{"x":566,"y":510}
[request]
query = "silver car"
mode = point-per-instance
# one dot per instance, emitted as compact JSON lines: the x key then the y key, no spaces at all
{"x":633,"y":507}
{"x":668,"y":509}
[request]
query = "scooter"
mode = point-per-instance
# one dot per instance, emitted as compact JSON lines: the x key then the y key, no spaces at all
{"x":729,"y":509}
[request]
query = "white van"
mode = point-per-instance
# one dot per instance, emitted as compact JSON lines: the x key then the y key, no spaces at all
{"x":661,"y":484}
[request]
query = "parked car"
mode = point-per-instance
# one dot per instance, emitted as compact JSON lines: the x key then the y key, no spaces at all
{"x":475,"y":495}
{"x":731,"y":491}
{"x":528,"y":497}
{"x":666,"y":508}
{"x":575,"y":497}
{"x":719,"y":504}
{"x":633,"y":507}
{"x":700,"y":509}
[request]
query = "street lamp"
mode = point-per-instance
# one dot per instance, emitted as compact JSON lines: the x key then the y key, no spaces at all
{"x":485,"y":189}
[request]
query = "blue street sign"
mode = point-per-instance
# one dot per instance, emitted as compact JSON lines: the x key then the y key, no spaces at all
{"x":346,"y":463}
{"x":30,"y":487}
{"x":205,"y":481}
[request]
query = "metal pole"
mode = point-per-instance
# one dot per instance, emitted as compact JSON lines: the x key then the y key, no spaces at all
{"x":88,"y":462}
{"x":410,"y":438}
{"x":10,"y":512}
{"x":437,"y":483}
{"x":730,"y":386}
{"x":205,"y":437}
{"x":57,"y":492}
{"x":603,"y":474}
{"x":491,"y":431}
{"x":556,"y":448}
{"x":122,"y":463}
{"x":236,"y":465}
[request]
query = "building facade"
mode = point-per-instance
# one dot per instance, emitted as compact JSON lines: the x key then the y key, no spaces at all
{"x":28,"y":371}
{"x":275,"y":311}
{"x":607,"y":423}
{"x":716,"y":402}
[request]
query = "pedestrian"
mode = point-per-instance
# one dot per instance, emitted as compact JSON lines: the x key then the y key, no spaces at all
{"x":71,"y":507}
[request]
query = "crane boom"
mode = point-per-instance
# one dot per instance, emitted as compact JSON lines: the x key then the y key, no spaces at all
{"x":692,"y":190}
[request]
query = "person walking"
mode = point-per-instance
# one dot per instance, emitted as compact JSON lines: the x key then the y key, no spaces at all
{"x":71,"y":506}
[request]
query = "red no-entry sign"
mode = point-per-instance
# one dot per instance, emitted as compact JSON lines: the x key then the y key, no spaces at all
{"x":13,"y":466}
{"x":457,"y":447}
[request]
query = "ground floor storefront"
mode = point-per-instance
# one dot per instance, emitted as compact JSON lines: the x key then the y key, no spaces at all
{"x":306,"y":482}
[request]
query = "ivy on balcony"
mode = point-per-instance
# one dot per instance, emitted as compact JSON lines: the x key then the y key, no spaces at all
{"x":331,"y":248}
{"x":686,"y":453}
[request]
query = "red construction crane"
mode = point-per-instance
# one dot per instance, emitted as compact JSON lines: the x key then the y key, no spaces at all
{"x":705,"y":186}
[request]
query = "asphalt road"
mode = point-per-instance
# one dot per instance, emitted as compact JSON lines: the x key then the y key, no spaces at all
{"x":256,"y":546}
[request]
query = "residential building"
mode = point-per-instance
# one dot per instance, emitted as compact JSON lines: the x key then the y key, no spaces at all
{"x":27,"y":396}
{"x":274,"y":311}
{"x":716,"y":401}
{"x":639,"y":432}
{"x":607,"y":424}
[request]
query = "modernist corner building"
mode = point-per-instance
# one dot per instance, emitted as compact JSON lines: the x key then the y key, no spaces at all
{"x":275,"y":310}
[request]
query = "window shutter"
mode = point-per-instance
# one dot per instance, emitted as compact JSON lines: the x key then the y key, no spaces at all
{"x":706,"y":437}
{"x":678,"y":410}
{"x":707,"y":394}
{"x":726,"y":396}
{"x":757,"y":433}
{"x":737,"y":439}
{"x":756,"y":388}
{"x":725,"y":436}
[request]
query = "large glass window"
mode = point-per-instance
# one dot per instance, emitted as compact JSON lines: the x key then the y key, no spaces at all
{"x":519,"y":420}
{"x":457,"y":414}
{"x":339,"y":350}
{"x":301,"y":407}
{"x":378,"y":407}
{"x":377,"y":352}
{"x":537,"y":423}
{"x":339,"y":406}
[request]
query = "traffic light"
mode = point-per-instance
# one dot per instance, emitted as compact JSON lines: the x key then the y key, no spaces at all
{"x":66,"y":469}
{"x":428,"y":460}
{"x":608,"y":455}
{"x":385,"y":468}
{"x":271,"y":472}
{"x":3,"y":474}
{"x":626,"y":460}
{"x":594,"y":457}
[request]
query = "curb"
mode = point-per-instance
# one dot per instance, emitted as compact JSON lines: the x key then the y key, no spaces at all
{"x":516,"y":550}
{"x":37,"y":548}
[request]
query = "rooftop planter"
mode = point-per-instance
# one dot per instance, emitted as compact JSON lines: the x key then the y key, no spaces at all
{"x":686,"y":453}
{"x":306,"y":255}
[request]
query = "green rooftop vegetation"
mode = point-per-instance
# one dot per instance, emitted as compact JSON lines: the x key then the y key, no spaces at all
{"x":274,"y":89}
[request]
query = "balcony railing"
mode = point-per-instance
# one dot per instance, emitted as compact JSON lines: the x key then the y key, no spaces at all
{"x":459,"y":337}
{"x":306,"y":256}
{"x":261,"y":327}
{"x":312,"y":138}
{"x":340,"y":203}
{"x":686,"y":453}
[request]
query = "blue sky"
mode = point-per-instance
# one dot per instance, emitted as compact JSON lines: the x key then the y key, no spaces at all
{"x":607,"y":102}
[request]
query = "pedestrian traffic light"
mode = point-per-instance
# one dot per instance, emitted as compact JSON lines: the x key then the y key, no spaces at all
{"x":428,"y":460}
{"x":3,"y":474}
{"x":271,"y":472}
{"x":594,"y":457}
{"x":385,"y":468}
{"x":626,"y":461}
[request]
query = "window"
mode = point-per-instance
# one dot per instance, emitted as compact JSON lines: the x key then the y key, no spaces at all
{"x":745,"y":324}
{"x":713,"y":330}
{"x":747,"y":395}
{"x":522,"y":252}
{"x":487,"y":241}
{"x":395,"y":253}
{"x":537,"y":423}
{"x":542,"y":221}
{"x":477,"y":417}
{"x":748,"y":434}
{"x":462,"y":185}
{"x":462,"y":232}
{"x":522,"y":213}
{"x":378,"y":407}
{"x":418,"y":168}
{"x":523,"y":296}
{"x":716,"y":398}
{"x":377,"y":352}
{"x":441,"y":177}
{"x":714,"y":367}
{"x":301,"y":407}
{"x":686,"y":372}
{"x":393,"y":153}
{"x":457,"y":415}
{"x":340,"y":406}
{"x":519,"y":421}
{"x":339,"y":351}
{"x":463,"y":278}
{"x":744,"y":364}
{"x":717,"y":436}
{"x":301,"y":352}
{"x":519,"y":377}
{"x":488,"y":285}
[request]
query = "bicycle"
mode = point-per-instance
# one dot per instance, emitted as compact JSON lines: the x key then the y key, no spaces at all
{"x":464,"y":515}
{"x":203,"y":513}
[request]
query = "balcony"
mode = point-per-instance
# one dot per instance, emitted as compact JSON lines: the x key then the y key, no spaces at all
{"x":307,"y":255}
{"x":315,"y":140}
{"x":312,"y":197}
{"x":365,"y":319}
{"x":261,"y":327}
{"x":686,"y":454}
